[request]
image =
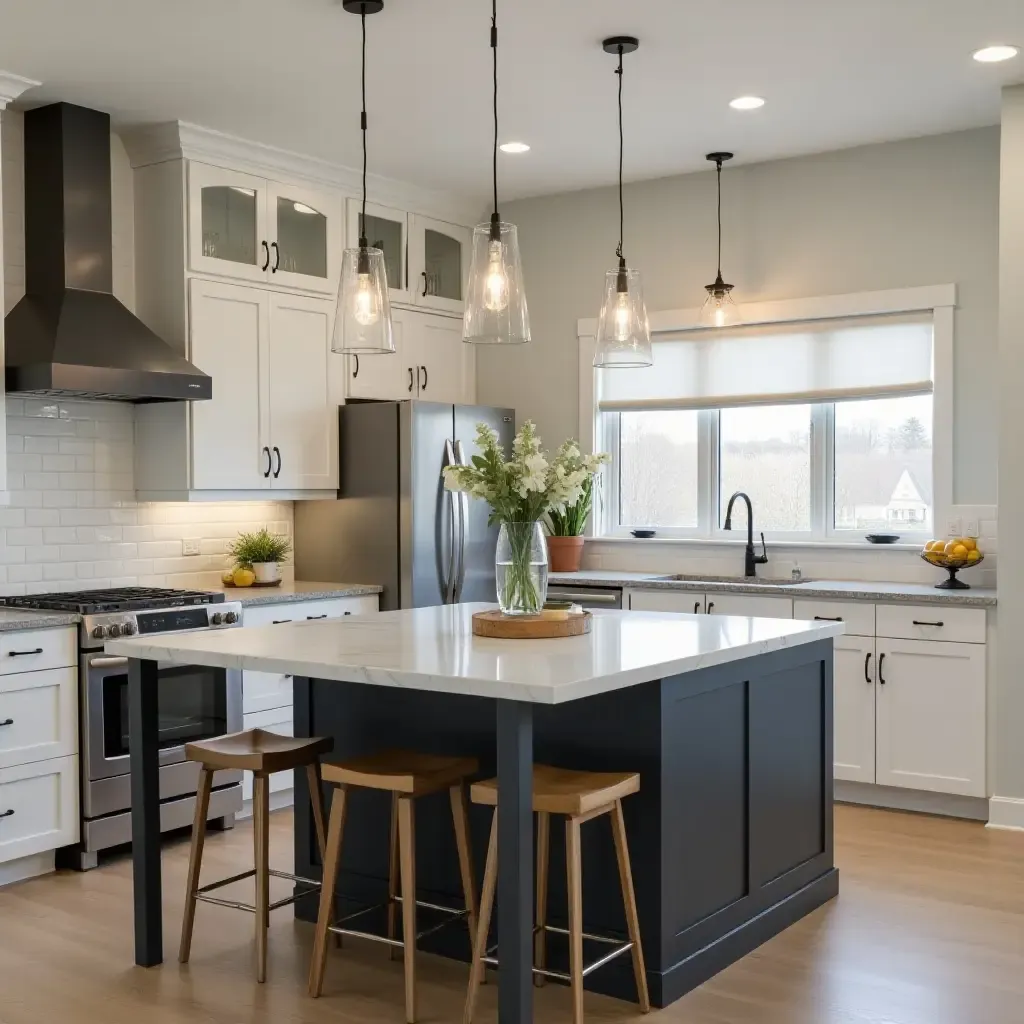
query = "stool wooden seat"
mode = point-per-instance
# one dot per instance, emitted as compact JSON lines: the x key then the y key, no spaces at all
{"x":581,"y":796}
{"x":407,"y":775}
{"x":262,"y":753}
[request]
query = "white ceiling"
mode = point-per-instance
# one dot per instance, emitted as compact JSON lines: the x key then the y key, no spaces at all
{"x":835,"y":73}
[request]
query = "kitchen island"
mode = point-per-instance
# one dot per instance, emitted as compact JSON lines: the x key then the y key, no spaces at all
{"x":728,"y":720}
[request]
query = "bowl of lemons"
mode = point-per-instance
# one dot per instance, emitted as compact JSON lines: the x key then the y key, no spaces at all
{"x":953,"y":554}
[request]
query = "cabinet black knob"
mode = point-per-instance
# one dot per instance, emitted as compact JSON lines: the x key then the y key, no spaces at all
{"x":6,"y":814}
{"x":7,"y":721}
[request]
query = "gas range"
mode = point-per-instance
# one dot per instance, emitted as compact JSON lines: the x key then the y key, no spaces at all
{"x":131,"y":611}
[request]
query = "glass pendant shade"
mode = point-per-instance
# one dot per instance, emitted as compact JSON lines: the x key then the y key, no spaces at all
{"x":496,"y":312}
{"x":719,"y":309}
{"x":362,"y":323}
{"x":623,"y":330}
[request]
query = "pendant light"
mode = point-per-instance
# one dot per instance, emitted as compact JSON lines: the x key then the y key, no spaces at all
{"x":362,"y":321}
{"x":719,"y":309}
{"x":623,"y":330}
{"x":496,"y":311}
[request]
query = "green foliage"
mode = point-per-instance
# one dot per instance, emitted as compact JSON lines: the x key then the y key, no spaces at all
{"x":261,"y":546}
{"x":571,"y":520}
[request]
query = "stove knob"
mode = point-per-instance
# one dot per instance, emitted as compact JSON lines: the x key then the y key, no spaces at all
{"x":114,"y":630}
{"x":230,"y":617}
{"x":128,"y":629}
{"x":98,"y":632}
{"x":216,"y":618}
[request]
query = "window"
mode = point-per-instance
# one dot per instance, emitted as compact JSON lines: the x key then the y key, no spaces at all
{"x":827,"y":425}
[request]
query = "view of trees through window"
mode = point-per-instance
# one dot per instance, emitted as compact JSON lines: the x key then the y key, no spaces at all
{"x":882,"y":465}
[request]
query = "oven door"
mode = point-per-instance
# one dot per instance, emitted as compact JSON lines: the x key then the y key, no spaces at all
{"x":194,"y":702}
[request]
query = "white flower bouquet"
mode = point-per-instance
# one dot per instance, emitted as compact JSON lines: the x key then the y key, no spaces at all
{"x":520,"y":491}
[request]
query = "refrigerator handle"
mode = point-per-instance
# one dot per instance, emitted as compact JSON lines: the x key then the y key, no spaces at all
{"x":463,"y":499}
{"x":454,"y":506}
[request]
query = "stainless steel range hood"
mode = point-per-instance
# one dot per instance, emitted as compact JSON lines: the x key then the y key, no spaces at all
{"x":69,"y":335}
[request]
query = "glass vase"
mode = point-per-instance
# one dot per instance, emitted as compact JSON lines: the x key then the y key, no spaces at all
{"x":521,"y":568}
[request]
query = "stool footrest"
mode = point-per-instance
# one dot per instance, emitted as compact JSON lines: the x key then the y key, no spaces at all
{"x":454,"y":914}
{"x":203,"y":896}
{"x":620,"y":948}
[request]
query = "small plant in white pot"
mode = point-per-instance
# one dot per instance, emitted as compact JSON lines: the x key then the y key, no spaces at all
{"x":262,"y":552}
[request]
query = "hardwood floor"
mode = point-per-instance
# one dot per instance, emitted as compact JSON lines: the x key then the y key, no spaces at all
{"x":928,"y":929}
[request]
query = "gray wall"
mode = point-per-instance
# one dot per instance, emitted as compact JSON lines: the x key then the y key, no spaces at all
{"x":918,"y":212}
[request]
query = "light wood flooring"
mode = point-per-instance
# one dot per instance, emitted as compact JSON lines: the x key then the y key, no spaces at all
{"x":928,"y":929}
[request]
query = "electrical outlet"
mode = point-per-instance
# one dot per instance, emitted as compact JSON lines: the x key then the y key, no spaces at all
{"x":954,"y":527}
{"x":190,"y":547}
{"x":971,"y":528}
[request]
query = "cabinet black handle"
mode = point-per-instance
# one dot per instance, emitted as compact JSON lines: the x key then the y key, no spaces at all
{"x":711,"y":607}
{"x":348,"y":613}
{"x":6,"y":814}
{"x":881,"y":678}
{"x":696,"y":607}
{"x":22,"y":654}
{"x":867,"y":662}
{"x":425,"y":280}
{"x":270,"y":462}
{"x":411,"y":380}
{"x":266,"y":250}
{"x":828,"y":618}
{"x":310,"y":618}
{"x":279,"y":622}
{"x":423,"y":383}
{"x":917,"y":623}
{"x":277,"y":257}
{"x":355,"y":371}
{"x":277,"y":452}
{"x":7,"y":721}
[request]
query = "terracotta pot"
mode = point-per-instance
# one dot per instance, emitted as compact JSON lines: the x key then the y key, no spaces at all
{"x":565,"y":553}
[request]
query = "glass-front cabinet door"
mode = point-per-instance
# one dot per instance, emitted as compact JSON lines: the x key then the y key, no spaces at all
{"x":227,"y":223}
{"x":305,"y":238}
{"x":387,"y":230}
{"x":438,"y":263}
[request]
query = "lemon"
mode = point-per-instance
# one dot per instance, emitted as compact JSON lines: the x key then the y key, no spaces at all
{"x":243,"y":577}
{"x":959,"y":551}
{"x":970,"y":543}
{"x":973,"y":556}
{"x":228,"y":576}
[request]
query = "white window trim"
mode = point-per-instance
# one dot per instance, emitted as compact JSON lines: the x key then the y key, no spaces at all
{"x":939,"y":300}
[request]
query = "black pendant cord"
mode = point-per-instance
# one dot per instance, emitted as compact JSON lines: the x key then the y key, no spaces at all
{"x":495,"y":217}
{"x":363,"y":244}
{"x":719,"y":163}
{"x":622,"y":218}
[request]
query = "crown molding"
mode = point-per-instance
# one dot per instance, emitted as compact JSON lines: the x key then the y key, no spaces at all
{"x":12,"y":86}
{"x":177,"y":140}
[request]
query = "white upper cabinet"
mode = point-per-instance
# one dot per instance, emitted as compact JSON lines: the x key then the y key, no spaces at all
{"x":438,"y":263}
{"x":388,"y":230}
{"x":246,"y":227}
{"x":387,"y":377}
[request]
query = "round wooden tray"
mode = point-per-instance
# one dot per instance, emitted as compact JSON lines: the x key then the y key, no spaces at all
{"x":529,"y":627}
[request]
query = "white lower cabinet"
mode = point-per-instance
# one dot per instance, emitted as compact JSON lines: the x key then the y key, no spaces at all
{"x":854,"y":709}
{"x":38,"y":807}
{"x":277,"y":720}
{"x":930,"y":712}
{"x":695,"y":603}
{"x":38,"y":715}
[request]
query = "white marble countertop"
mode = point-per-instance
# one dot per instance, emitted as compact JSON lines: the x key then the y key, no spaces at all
{"x":14,"y":620}
{"x":434,"y":649}
{"x":292,"y":593}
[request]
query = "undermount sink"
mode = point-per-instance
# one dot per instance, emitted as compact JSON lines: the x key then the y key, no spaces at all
{"x":747,"y":581}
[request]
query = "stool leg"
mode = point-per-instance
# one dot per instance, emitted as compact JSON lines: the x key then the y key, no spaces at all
{"x":261,"y":848}
{"x":476,"y":969}
{"x":540,"y":939}
{"x":629,"y":901}
{"x":393,"y":875}
{"x":195,"y":862}
{"x":316,"y":798}
{"x":460,"y":819}
{"x":574,"y":871}
{"x":407,"y":845}
{"x":332,"y":857}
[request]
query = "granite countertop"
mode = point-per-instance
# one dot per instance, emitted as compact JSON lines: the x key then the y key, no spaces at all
{"x":834,"y":590}
{"x":13,"y":620}
{"x":291,"y":593}
{"x":434,"y":649}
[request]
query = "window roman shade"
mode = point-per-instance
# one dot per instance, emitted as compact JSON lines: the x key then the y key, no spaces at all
{"x":769,"y":364}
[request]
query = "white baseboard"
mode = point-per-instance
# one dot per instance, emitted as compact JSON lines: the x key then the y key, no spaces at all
{"x":26,"y":867}
{"x":282,"y":798}
{"x":1006,"y":812}
{"x":974,"y":808}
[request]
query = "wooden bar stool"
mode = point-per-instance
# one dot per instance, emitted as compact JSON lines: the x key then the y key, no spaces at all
{"x":406,"y":775}
{"x":580,"y":796}
{"x":263,"y":754}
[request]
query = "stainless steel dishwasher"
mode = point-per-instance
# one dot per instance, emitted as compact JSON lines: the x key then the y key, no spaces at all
{"x":586,"y":597}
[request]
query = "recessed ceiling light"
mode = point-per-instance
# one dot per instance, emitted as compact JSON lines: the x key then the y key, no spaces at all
{"x":746,"y":103}
{"x":514,"y":147}
{"x":995,"y":54}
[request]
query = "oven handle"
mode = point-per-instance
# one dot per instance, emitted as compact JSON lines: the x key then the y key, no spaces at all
{"x":101,"y":661}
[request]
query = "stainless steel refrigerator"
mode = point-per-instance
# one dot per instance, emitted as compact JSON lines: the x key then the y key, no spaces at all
{"x":394,"y":523}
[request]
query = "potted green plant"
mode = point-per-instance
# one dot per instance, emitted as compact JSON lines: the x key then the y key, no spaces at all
{"x":262,"y":552}
{"x":565,"y":528}
{"x":520,"y":491}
